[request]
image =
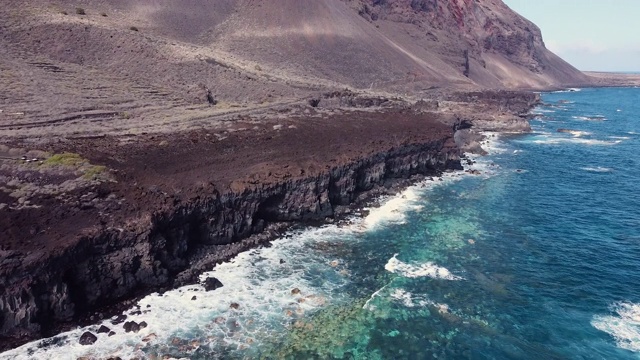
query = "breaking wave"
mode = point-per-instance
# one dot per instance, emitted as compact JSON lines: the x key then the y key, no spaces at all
{"x":624,"y":326}
{"x":427,"y":269}
{"x":598,"y":169}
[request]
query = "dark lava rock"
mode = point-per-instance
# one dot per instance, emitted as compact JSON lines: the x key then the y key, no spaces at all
{"x":211,"y":284}
{"x":103,"y":330}
{"x":235,"y":306}
{"x":314,"y":102}
{"x":111,"y":333}
{"x":282,"y":261}
{"x":193,"y":297}
{"x":88,"y":338}
{"x":143,"y":324}
{"x":131,"y":326}
{"x":56,"y":340}
{"x":295,"y":291}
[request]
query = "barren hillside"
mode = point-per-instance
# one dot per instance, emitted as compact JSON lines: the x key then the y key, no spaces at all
{"x":136,"y":66}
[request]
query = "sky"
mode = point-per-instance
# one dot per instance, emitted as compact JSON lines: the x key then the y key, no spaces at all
{"x":597,"y":35}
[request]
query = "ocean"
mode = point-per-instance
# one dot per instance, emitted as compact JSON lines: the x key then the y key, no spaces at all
{"x":537,"y":257}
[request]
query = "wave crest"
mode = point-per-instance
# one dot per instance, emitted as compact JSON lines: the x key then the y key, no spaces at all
{"x":427,"y":269}
{"x":598,"y":169}
{"x":624,"y":327}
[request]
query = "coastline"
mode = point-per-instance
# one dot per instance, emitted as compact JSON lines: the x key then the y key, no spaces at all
{"x":369,"y":176}
{"x":373,"y":209}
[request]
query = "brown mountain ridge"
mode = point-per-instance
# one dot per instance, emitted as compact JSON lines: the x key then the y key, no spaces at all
{"x":156,"y":59}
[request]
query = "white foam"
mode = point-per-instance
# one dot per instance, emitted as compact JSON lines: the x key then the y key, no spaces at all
{"x":367,"y":305}
{"x":403,"y":296}
{"x":590,"y":118}
{"x":624,"y":327}
{"x":568,"y":90}
{"x":407,"y":299}
{"x":492,"y":144}
{"x":428,"y":269}
{"x":576,"y":133}
{"x":619,"y":137}
{"x":598,"y":169}
{"x":576,"y":140}
{"x":393,"y":210}
{"x":541,"y":111}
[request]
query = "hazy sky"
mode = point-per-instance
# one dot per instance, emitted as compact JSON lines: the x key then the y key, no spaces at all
{"x":589,"y":34}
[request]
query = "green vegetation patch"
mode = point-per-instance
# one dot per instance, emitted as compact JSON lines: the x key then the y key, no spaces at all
{"x":95,"y":172}
{"x":65,"y":159}
{"x":77,"y":164}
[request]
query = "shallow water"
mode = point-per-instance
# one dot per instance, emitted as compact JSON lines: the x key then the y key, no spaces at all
{"x":536,"y":258}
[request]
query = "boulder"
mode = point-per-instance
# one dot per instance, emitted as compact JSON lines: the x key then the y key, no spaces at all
{"x":211,"y":284}
{"x":87,"y":338}
{"x":131,"y":326}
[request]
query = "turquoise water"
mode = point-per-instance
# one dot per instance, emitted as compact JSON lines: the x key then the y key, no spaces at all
{"x":536,"y":258}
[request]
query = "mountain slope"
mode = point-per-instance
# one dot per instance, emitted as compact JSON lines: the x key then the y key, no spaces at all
{"x":140,"y":64}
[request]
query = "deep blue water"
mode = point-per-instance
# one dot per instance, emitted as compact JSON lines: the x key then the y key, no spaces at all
{"x":556,"y":252}
{"x":536,"y":258}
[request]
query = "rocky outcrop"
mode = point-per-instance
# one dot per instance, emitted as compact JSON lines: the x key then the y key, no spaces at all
{"x":478,"y":35}
{"x":112,"y":264}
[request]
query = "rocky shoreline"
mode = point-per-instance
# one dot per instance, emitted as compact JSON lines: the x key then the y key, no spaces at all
{"x":82,"y":262}
{"x":156,"y":240}
{"x":172,"y":252}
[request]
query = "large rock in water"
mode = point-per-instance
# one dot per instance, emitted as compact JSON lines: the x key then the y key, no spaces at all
{"x":87,"y":338}
{"x":131,"y":326}
{"x":211,"y":284}
{"x":103,"y":330}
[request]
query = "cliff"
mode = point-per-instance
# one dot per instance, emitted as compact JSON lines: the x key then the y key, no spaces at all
{"x":484,"y":40}
{"x":168,"y":213}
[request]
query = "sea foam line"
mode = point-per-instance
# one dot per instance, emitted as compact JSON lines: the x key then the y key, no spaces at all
{"x":598,"y":169}
{"x":576,"y":140}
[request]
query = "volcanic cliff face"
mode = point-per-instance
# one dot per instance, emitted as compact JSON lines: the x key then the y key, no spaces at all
{"x":502,"y":49}
{"x":42,"y":288}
